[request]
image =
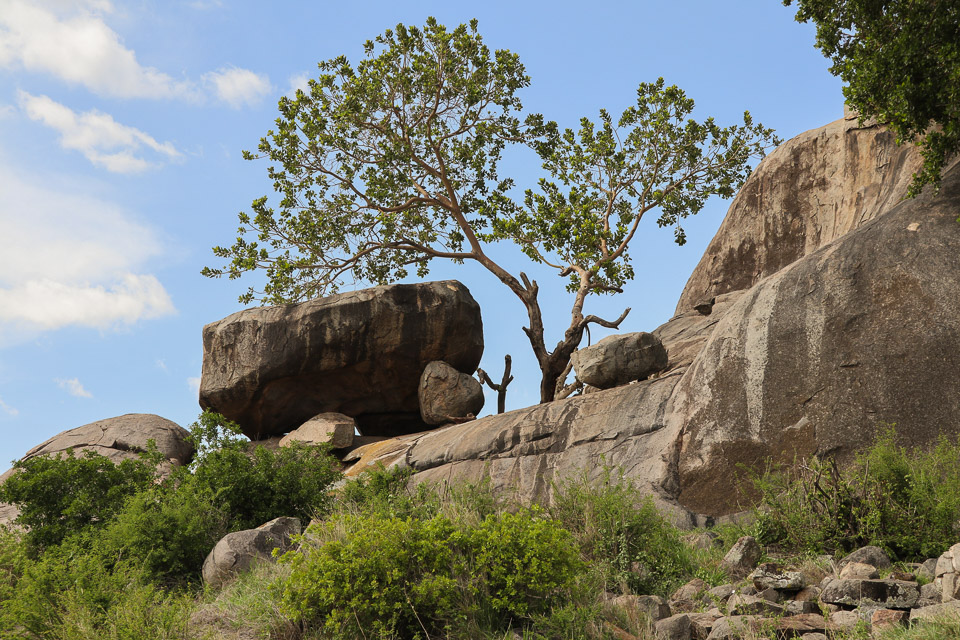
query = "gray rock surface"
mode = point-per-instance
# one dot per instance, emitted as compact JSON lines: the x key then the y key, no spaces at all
{"x":871,"y":555}
{"x":359,"y":353}
{"x":236,"y":552}
{"x":814,"y":359}
{"x":446,"y":393}
{"x":809,"y":191}
{"x":742,"y":557}
{"x":333,"y":428}
{"x":619,"y":359}
{"x":891,"y":594}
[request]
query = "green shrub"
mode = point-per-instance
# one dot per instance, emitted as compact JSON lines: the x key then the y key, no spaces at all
{"x":166,"y":532}
{"x":903,"y":500}
{"x":391,"y":577}
{"x":60,"y":496}
{"x":622,"y":535}
{"x":257,"y":487}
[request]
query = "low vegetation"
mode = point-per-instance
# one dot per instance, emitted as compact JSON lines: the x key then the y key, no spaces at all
{"x":386,"y":557}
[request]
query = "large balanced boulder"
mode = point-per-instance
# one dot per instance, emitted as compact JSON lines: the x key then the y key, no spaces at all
{"x":236,"y":552}
{"x":359,"y":353}
{"x":819,"y":357}
{"x":446,"y":394}
{"x":619,"y":359}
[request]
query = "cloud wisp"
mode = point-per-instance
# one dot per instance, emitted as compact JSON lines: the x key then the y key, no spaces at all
{"x":72,"y":260}
{"x":73,"y":387}
{"x":80,"y":49}
{"x":101,"y":139}
{"x":7,"y":409}
{"x":238,"y":87}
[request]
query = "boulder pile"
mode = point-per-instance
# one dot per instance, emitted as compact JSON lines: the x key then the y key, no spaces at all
{"x":818,"y":600}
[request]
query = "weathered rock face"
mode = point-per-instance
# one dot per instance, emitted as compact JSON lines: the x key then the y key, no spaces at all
{"x":815,"y":359}
{"x":236,"y":552}
{"x":446,"y":393}
{"x":843,"y":338}
{"x":808,"y":192}
{"x":335,"y":429}
{"x":120,"y":438}
{"x":619,"y":359}
{"x":359,"y":353}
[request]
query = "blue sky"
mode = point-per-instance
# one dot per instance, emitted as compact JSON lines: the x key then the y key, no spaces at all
{"x":121,"y":131}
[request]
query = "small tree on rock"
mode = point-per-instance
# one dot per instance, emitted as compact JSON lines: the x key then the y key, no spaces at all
{"x":384,"y":167}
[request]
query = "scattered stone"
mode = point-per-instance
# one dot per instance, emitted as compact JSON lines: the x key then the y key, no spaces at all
{"x":690,"y":591}
{"x":906,"y":576}
{"x":859,"y":571}
{"x":735,"y":627}
{"x":883,"y":619}
{"x":868,"y":555}
{"x":676,"y":627}
{"x":807,"y":594}
{"x":938,"y":612}
{"x":446,"y":394}
{"x":705,"y":540}
{"x":701,"y":624}
{"x":742,"y":557}
{"x":769,"y":575}
{"x":927,"y":570}
{"x":844,"y":620}
{"x":813,"y":636}
{"x":930,"y":593}
{"x":770,"y":595}
{"x":333,"y":428}
{"x":720,"y":594}
{"x":740,"y":605}
{"x":237,"y":551}
{"x":949,"y":587}
{"x":619,"y":359}
{"x":653,"y":607}
{"x":892,"y":594}
{"x":797,"y":607}
{"x":804,"y":623}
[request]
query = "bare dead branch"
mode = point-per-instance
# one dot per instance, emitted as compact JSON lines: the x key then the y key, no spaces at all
{"x":605,"y":323}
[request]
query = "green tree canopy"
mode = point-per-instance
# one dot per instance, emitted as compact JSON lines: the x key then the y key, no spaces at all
{"x":385,"y":166}
{"x":901,"y":62}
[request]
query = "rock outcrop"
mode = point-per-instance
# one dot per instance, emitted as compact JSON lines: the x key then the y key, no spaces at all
{"x":360,"y":353}
{"x":855,"y":326}
{"x":120,"y":438}
{"x":810,"y":191}
{"x":334,"y":429}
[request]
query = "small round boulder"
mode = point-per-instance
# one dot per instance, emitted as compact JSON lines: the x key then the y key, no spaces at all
{"x":446,"y":394}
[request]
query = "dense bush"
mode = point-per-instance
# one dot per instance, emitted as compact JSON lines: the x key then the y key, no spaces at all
{"x":622,"y":535}
{"x":60,"y":496}
{"x":904,"y":500}
{"x":393,"y":577}
{"x":257,"y":486}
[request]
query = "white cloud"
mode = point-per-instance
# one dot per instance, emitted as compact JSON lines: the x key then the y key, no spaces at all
{"x":7,"y":409}
{"x":194,"y":384}
{"x":206,"y":4}
{"x":238,"y":87}
{"x":298,"y":81}
{"x":72,"y":42}
{"x":161,"y":364}
{"x":73,"y":387}
{"x":72,"y":259}
{"x":101,"y":139}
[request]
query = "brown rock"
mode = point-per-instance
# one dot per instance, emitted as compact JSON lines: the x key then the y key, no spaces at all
{"x":445,"y":393}
{"x":690,"y":591}
{"x":237,"y":551}
{"x":769,"y":575}
{"x":740,"y":605}
{"x":871,"y":555}
{"x":674,"y":628}
{"x":735,"y":627}
{"x":653,"y":607}
{"x":859,"y":571}
{"x":944,"y":612}
{"x":619,"y":359}
{"x":883,"y":619}
{"x":808,"y":192}
{"x":359,"y":353}
{"x":844,"y":620}
{"x":742,"y":557}
{"x":333,"y":428}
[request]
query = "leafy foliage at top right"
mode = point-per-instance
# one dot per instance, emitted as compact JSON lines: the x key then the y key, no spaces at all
{"x":901,"y":62}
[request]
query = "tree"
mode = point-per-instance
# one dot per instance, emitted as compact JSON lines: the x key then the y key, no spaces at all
{"x":901,"y":62}
{"x":387,"y":166}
